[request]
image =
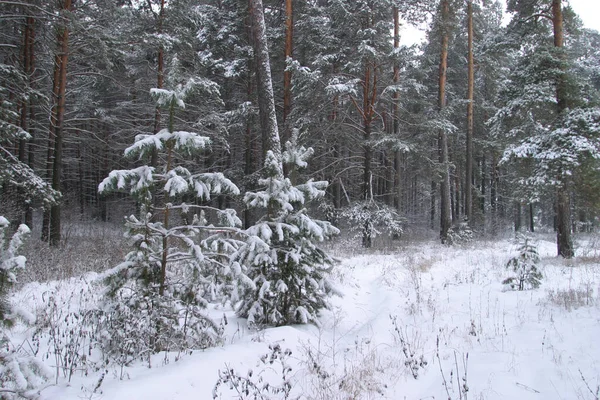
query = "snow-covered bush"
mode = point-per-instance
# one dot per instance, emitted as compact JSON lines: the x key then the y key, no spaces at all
{"x":460,"y":234}
{"x":20,"y":372}
{"x":369,"y":219}
{"x":282,"y":274}
{"x":156,"y":297}
{"x":525,"y":266}
{"x":258,"y":385}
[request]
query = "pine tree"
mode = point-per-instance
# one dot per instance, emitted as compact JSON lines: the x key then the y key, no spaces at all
{"x":175,"y":268}
{"x":551,"y":124}
{"x":283,"y":275}
{"x":19,"y":184}
{"x":525,"y":266}
{"x":20,"y":373}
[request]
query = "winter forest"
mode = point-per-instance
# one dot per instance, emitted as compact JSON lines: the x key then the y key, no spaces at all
{"x":279,"y":199}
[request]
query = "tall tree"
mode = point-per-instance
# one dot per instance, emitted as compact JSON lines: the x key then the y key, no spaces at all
{"x":564,"y":241}
{"x":547,"y":114}
{"x":445,"y":204}
{"x":287,"y":75}
{"x":59,"y":96}
{"x":266,"y":98}
{"x":470,"y":121}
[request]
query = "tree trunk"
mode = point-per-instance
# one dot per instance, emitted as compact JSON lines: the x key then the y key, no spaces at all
{"x":395,"y":115}
{"x":266,"y":99}
{"x":494,"y":195}
{"x":52,"y":136}
{"x":531,"y":219}
{"x":517,"y":216}
{"x":159,"y":76}
{"x":470,"y":99}
{"x":57,"y":166}
{"x":287,"y":75}
{"x":564,"y":242}
{"x":26,"y":152}
{"x":445,"y":210}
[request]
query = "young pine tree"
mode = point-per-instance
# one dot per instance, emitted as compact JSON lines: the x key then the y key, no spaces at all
{"x":156,"y":296}
{"x":20,"y":373}
{"x":525,"y":267}
{"x":282,"y":274}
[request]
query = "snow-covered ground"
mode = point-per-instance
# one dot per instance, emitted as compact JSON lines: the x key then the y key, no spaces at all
{"x":424,"y":322}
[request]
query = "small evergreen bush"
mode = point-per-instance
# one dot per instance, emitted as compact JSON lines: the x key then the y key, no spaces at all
{"x":525,"y":266}
{"x":369,"y":219}
{"x":156,"y":297}
{"x":281,"y":273}
{"x":20,"y":372}
{"x":460,"y":234}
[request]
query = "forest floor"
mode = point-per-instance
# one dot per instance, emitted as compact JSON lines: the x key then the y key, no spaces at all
{"x":424,"y":321}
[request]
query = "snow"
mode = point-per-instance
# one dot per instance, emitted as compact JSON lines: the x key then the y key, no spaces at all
{"x":444,"y":305}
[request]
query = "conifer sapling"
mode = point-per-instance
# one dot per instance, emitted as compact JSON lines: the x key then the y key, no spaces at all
{"x":165,"y":282}
{"x":282,"y":274}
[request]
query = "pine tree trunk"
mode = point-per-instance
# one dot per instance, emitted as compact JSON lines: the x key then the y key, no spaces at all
{"x":445,"y":210}
{"x":26,"y":152}
{"x":397,"y":187}
{"x":51,"y":137}
{"x":266,"y":99}
{"x":287,"y":75}
{"x":517,"y":216}
{"x":470,"y":99}
{"x":494,"y":195}
{"x":564,"y":241}
{"x":531,"y":219}
{"x":57,"y":165}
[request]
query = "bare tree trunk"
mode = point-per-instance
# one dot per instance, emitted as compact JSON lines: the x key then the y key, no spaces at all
{"x":51,"y":137}
{"x":517,"y":216}
{"x":159,"y":75}
{"x":445,"y":210}
{"x":494,"y":195}
{"x":287,"y":75}
{"x":395,"y":115}
{"x":160,"y":67}
{"x":57,"y":166}
{"x":26,"y":154}
{"x":531,"y":219}
{"x":470,"y":99}
{"x":266,"y":99}
{"x":367,"y":111}
{"x":564,"y":241}
{"x":249,"y":148}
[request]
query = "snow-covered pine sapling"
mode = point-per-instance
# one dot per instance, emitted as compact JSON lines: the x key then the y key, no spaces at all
{"x":165,"y":282}
{"x":369,"y":219}
{"x":460,"y":233}
{"x":282,"y":274}
{"x":20,"y":373}
{"x":525,"y":266}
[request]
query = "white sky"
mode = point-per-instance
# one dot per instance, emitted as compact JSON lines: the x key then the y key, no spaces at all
{"x":588,"y":11}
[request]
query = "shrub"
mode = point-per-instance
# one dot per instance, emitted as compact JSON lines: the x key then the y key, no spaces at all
{"x":525,"y":266}
{"x":282,"y":274}
{"x":156,"y":297}
{"x":20,"y":372}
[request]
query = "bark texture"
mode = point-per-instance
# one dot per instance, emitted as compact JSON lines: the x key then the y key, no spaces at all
{"x":445,"y":202}
{"x":564,"y":241}
{"x":57,"y":165}
{"x":470,"y":99}
{"x":266,"y":98}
